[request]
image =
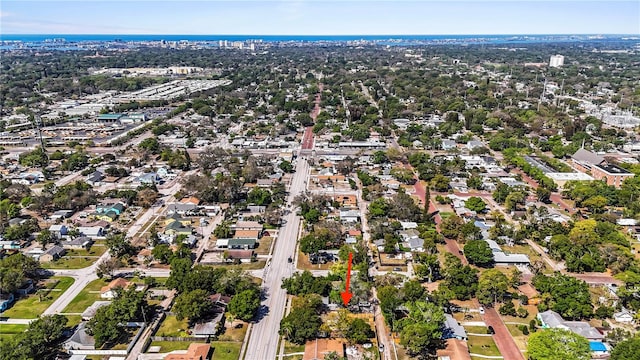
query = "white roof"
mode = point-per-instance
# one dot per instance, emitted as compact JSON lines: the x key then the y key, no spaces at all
{"x":500,"y":257}
{"x":578,"y":176}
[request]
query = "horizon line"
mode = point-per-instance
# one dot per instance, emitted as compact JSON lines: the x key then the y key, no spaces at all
{"x":202,"y":34}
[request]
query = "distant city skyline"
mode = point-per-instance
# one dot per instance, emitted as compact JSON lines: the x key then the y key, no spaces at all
{"x":316,"y":17}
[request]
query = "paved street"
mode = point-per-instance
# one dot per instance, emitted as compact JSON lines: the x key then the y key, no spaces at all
{"x":263,"y":343}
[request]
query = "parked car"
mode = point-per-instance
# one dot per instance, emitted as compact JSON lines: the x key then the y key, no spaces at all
{"x":490,"y":330}
{"x":481,"y":310}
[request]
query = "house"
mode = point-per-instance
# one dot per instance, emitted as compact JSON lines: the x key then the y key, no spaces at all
{"x":208,"y":328}
{"x":349,"y":216}
{"x":242,"y":243}
{"x":190,"y":200}
{"x":94,"y":178}
{"x":26,"y":288}
{"x":5,"y":301}
{"x":623,"y":316}
{"x":82,"y":242}
{"x":247,"y":234}
{"x":416,"y":244}
{"x":91,"y":231}
{"x":180,"y":208}
{"x":222,"y":243}
{"x":80,"y":340}
{"x":147,"y":178}
{"x":474,"y":144}
{"x":406,"y":225}
{"x":452,"y":329}
{"x":503,"y":259}
{"x":90,"y":312}
{"x":244,"y":256}
{"x":117,"y":208}
{"x":175,"y":217}
{"x":61,"y":214}
{"x":448,"y":144}
{"x":58,"y":231}
{"x":247,"y":225}
{"x":552,"y":320}
{"x":220,"y":300}
{"x":195,"y":351}
{"x":176,"y":228}
{"x":9,"y":245}
{"x":319,"y":348}
{"x":110,"y":291}
{"x":53,"y":253}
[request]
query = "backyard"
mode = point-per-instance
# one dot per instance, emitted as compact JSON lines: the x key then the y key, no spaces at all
{"x":33,"y":305}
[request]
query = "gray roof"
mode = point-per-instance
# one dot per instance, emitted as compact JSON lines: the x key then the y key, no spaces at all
{"x":91,"y":310}
{"x":80,"y":338}
{"x":583,"y":328}
{"x":453,"y":329}
{"x":551,"y":318}
{"x":587,"y":156}
{"x":55,"y":250}
{"x":502,"y":258}
{"x":415,"y":243}
{"x":207,"y":328}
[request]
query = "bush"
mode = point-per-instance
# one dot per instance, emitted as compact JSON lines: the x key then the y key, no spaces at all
{"x":533,"y":325}
{"x":522,"y":312}
{"x":524,"y":329}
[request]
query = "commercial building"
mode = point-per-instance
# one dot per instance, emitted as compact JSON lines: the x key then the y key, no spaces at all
{"x":556,"y":61}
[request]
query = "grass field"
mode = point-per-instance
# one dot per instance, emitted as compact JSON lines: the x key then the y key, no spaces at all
{"x":483,"y":345}
{"x":290,"y":348}
{"x":224,"y":350}
{"x":264,"y":245}
{"x":86,"y":297}
{"x":167,"y":346}
{"x":172,"y":327}
{"x":233,"y":334}
{"x":70,"y":262}
{"x":476,"y":329}
{"x":94,"y":251}
{"x":255,"y":265}
{"x":31,"y":307}
{"x":12,"y":329}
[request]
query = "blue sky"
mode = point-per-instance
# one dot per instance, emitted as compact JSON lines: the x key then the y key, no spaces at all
{"x":319,"y":17}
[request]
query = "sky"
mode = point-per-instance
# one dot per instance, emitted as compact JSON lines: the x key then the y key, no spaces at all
{"x":319,"y":17}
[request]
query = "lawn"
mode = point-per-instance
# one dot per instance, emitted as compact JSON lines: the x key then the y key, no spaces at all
{"x":12,"y":329}
{"x":290,"y":348}
{"x":71,"y":262}
{"x":518,"y":336}
{"x":233,"y":334}
{"x":476,"y":329}
{"x":254,"y":265}
{"x":167,"y":346}
{"x":86,"y":297}
{"x":224,"y":350}
{"x":305,"y":264}
{"x":264,"y":245}
{"x":483,"y":345}
{"x":172,"y":327}
{"x":94,"y":251}
{"x":31,"y":307}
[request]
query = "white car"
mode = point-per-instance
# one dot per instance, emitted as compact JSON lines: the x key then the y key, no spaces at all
{"x":481,"y":310}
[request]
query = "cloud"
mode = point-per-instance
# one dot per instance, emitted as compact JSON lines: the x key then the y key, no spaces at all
{"x":4,"y":14}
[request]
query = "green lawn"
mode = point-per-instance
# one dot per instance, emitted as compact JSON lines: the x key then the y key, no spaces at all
{"x":292,"y":348}
{"x":86,"y":297}
{"x":31,"y":307}
{"x":167,"y":346}
{"x":172,"y":327}
{"x":223,"y":350}
{"x":476,"y":329}
{"x":70,"y":263}
{"x":255,"y":265}
{"x":94,"y":251}
{"x":483,"y":345}
{"x":12,"y":329}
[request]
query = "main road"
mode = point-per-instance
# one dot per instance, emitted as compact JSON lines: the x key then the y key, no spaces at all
{"x":263,"y":342}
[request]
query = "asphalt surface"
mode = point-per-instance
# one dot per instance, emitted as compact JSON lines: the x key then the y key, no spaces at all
{"x":263,"y":343}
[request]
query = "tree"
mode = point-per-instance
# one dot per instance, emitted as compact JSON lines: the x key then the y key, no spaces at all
{"x":118,"y":245}
{"x":450,"y":227}
{"x":461,"y":280}
{"x":41,"y":340}
{"x":475,"y":182}
{"x":413,"y":291}
{"x":421,"y":332}
{"x":302,"y":324}
{"x":627,"y":350}
{"x":107,"y":267}
{"x":492,"y":286}
{"x":45,"y":237}
{"x":245,"y":304}
{"x":440,"y":183}
{"x":146,"y":197}
{"x":475,"y":204}
{"x":193,"y":305}
{"x":553,"y":344}
{"x":162,"y":253}
{"x":286,"y":166}
{"x":108,"y":322}
{"x":478,"y":253}
{"x":596,"y":204}
{"x":305,"y":283}
{"x":359,"y":331}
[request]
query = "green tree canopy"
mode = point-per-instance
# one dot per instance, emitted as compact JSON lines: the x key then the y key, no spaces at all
{"x":554,"y":344}
{"x":244,"y":305}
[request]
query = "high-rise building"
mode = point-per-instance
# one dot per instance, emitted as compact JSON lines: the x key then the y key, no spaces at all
{"x":556,"y":61}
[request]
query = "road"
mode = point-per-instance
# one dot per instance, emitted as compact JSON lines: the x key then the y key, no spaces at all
{"x":263,"y":343}
{"x":508,"y":348}
{"x":82,"y":277}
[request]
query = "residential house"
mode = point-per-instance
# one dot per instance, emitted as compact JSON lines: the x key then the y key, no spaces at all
{"x":82,"y":242}
{"x":623,"y":316}
{"x":181,"y":208}
{"x":416,"y":244}
{"x":26,"y":288}
{"x":95,"y":178}
{"x":175,"y":217}
{"x":110,"y":291}
{"x":195,"y":351}
{"x":80,"y":340}
{"x":190,"y":200}
{"x":176,"y":228}
{"x":503,"y":259}
{"x":247,"y":225}
{"x":319,"y":348}
{"x":349,"y":216}
{"x":241,"y":243}
{"x":247,"y":234}
{"x":208,"y":328}
{"x":147,"y":179}
{"x":53,"y":253}
{"x":448,"y":144}
{"x":220,"y":300}
{"x":244,"y":256}
{"x":108,"y":212}
{"x":90,"y":312}
{"x":58,"y":230}
{"x":61,"y":214}
{"x":452,"y":329}
{"x":91,"y":231}
{"x":9,"y":245}
{"x":474,"y":144}
{"x":552,"y":320}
